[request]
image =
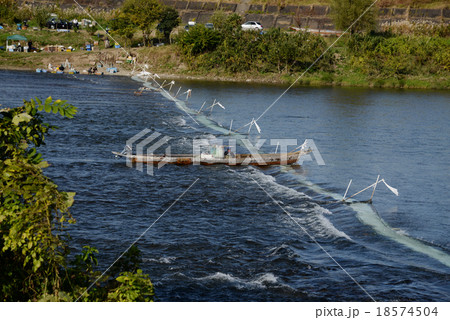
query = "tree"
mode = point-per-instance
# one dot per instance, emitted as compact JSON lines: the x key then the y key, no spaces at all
{"x":33,"y":218}
{"x":40,"y":16}
{"x":227,"y":24}
{"x":197,"y":40}
{"x":33,"y":212}
{"x":346,"y":12}
{"x":23,"y":14}
{"x":169,"y":19}
{"x":8,"y":9}
{"x":121,"y":26}
{"x":92,"y":29}
{"x":143,"y":14}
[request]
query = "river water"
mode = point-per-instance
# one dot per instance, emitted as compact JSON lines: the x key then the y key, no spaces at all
{"x":259,"y":234}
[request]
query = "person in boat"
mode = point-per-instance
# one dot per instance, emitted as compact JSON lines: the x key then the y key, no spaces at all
{"x":228,"y":153}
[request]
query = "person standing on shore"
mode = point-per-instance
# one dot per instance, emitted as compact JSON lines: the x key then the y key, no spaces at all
{"x":75,"y":24}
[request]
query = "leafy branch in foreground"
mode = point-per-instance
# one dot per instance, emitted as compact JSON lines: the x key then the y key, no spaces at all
{"x":34,"y":215}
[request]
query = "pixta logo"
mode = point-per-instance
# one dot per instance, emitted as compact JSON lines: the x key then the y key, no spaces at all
{"x":141,"y":149}
{"x":311,"y":146}
{"x":147,"y":142}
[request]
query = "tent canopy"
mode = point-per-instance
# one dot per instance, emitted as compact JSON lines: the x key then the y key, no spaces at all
{"x":17,"y":37}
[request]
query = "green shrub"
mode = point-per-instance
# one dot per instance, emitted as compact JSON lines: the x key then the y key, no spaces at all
{"x":169,"y":19}
{"x":388,"y":55}
{"x":230,"y":48}
{"x":198,"y":40}
{"x":33,"y":219}
{"x":8,"y":9}
{"x":40,"y":16}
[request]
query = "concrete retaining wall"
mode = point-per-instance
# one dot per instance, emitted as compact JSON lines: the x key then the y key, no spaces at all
{"x":315,"y":16}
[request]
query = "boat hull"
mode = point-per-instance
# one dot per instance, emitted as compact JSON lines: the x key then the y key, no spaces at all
{"x":238,"y":160}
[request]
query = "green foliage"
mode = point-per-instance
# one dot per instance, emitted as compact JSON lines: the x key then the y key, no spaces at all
{"x":121,"y":26}
{"x":33,"y":212}
{"x":134,"y":287}
{"x":416,"y":28}
{"x":41,"y":16}
{"x":226,"y":23}
{"x":23,"y":13}
{"x":33,"y":218}
{"x":86,"y":261}
{"x":234,"y":50}
{"x":91,"y":30}
{"x":346,"y":12}
{"x":169,"y":19}
{"x":143,"y":14}
{"x":125,"y":283}
{"x":130,"y":261}
{"x":23,"y":126}
{"x":385,"y":55}
{"x":8,"y":9}
{"x":292,"y":52}
{"x":197,"y":40}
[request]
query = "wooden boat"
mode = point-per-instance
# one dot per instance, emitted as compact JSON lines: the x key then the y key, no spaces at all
{"x":266,"y":159}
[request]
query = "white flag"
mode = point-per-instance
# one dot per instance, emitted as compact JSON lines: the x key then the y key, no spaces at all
{"x":394,"y":191}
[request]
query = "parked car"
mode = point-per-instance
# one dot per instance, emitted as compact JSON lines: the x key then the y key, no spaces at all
{"x":252,"y":25}
{"x":209,"y":25}
{"x":59,"y":24}
{"x":64,"y":24}
{"x":51,"y":24}
{"x":190,"y":24}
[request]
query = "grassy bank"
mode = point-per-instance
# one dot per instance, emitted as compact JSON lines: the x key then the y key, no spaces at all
{"x":81,"y":59}
{"x":418,"y":57}
{"x":167,"y":62}
{"x":386,"y":61}
{"x":41,"y":38}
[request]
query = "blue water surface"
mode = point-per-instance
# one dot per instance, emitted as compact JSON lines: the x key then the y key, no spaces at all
{"x":259,"y":234}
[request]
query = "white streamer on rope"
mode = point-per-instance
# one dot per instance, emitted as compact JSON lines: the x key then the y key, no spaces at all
{"x":211,"y":107}
{"x":177,"y":92}
{"x":231,"y":124}
{"x":347,"y":189}
{"x":199,"y":110}
{"x":171,"y":83}
{"x":187,"y":93}
{"x":394,"y":190}
{"x":250,"y":124}
{"x":374,"y":188}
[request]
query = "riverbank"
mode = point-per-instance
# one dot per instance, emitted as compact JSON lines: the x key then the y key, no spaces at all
{"x":168,"y":64}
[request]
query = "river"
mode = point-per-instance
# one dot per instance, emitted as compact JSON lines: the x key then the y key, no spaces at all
{"x":259,"y":234}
